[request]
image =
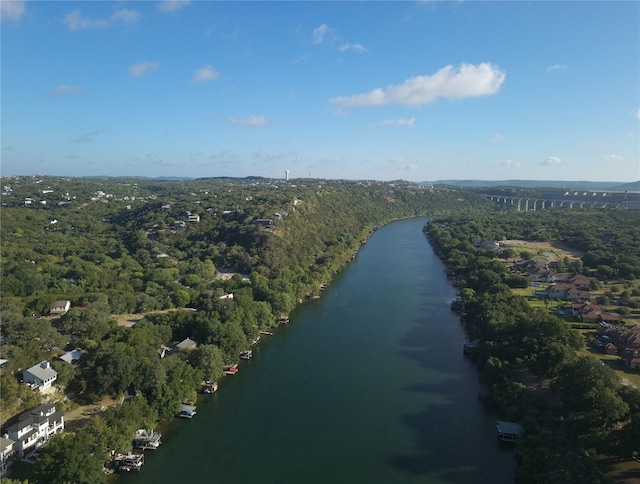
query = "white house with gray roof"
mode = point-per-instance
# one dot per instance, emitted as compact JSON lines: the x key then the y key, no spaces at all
{"x":35,"y":428}
{"x":60,"y":307}
{"x":40,"y":376}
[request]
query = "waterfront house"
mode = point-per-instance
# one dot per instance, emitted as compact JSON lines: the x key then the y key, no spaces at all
{"x":35,"y":428}
{"x":40,"y":376}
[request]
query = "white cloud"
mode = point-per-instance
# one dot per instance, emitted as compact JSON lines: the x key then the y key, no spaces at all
{"x":636,"y":113}
{"x":515,"y":164}
{"x":497,"y":138}
{"x":250,"y":121}
{"x":354,"y":47}
{"x":395,"y":122}
{"x":173,"y":5}
{"x":12,"y":10}
{"x":556,"y":67}
{"x":126,"y":16}
{"x":319,"y":33}
{"x":401,"y":164}
{"x":551,"y":161}
{"x":63,"y":89}
{"x":141,"y":68}
{"x":204,"y":73}
{"x":75,"y":21}
{"x":468,"y":80}
{"x":612,"y":158}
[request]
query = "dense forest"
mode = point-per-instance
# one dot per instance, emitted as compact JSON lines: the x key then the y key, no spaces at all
{"x":157,"y":249}
{"x":588,"y":411}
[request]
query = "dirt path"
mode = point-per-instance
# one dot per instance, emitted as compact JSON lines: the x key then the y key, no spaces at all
{"x":78,"y":417}
{"x":132,"y":318}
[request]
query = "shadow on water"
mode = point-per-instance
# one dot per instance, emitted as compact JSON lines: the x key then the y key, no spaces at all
{"x":451,"y":424}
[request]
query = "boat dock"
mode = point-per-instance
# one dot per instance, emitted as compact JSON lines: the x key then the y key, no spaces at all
{"x":209,"y":386}
{"x":146,"y":439}
{"x":187,"y":411}
{"x":127,"y":462}
{"x":231,"y":369}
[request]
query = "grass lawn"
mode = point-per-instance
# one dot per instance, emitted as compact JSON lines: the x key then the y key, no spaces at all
{"x":615,"y":363}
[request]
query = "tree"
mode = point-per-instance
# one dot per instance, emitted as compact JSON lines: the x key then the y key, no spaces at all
{"x":68,"y":458}
{"x":208,"y":359}
{"x":113,"y":368}
{"x":590,"y":393}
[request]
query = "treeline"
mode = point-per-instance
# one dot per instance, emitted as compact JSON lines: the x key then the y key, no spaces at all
{"x":125,"y":246}
{"x":608,"y":239}
{"x":589,"y":409}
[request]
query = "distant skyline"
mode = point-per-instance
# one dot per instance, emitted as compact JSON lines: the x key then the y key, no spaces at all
{"x":420,"y":91}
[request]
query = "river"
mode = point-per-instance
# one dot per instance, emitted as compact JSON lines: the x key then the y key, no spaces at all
{"x":368,"y":384}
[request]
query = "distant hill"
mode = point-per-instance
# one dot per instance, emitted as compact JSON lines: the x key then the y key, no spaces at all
{"x":573,"y":185}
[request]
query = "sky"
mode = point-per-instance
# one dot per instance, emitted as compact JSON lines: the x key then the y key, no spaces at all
{"x":417,"y":91}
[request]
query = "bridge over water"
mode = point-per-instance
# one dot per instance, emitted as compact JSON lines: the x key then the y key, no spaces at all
{"x":570,"y":200}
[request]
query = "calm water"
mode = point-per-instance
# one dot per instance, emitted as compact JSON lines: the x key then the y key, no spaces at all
{"x":366,"y":385}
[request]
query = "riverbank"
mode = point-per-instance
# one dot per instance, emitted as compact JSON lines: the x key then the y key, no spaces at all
{"x":354,"y":389}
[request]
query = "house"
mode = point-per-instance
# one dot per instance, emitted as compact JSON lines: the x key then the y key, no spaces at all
{"x":264,"y":222}
{"x":626,"y":340}
{"x":629,"y":344}
{"x":40,"y":376}
{"x":193,"y":218}
{"x":487,"y":244}
{"x":186,"y":344}
{"x":610,"y":349}
{"x":542,"y":274}
{"x":6,"y":455}
{"x":583,"y":283}
{"x":60,"y":308}
{"x":566,"y":292}
{"x":35,"y":428}
{"x":592,"y":313}
{"x":72,"y":356}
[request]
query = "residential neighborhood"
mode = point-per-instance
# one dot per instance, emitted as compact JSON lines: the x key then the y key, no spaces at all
{"x":575,"y":298}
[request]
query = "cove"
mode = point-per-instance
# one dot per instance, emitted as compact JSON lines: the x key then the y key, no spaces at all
{"x":366,"y":385}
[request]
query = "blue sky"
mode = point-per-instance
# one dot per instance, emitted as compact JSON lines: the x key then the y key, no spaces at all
{"x":420,"y":91}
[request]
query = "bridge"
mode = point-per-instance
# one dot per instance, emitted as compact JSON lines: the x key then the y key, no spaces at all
{"x":570,"y":200}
